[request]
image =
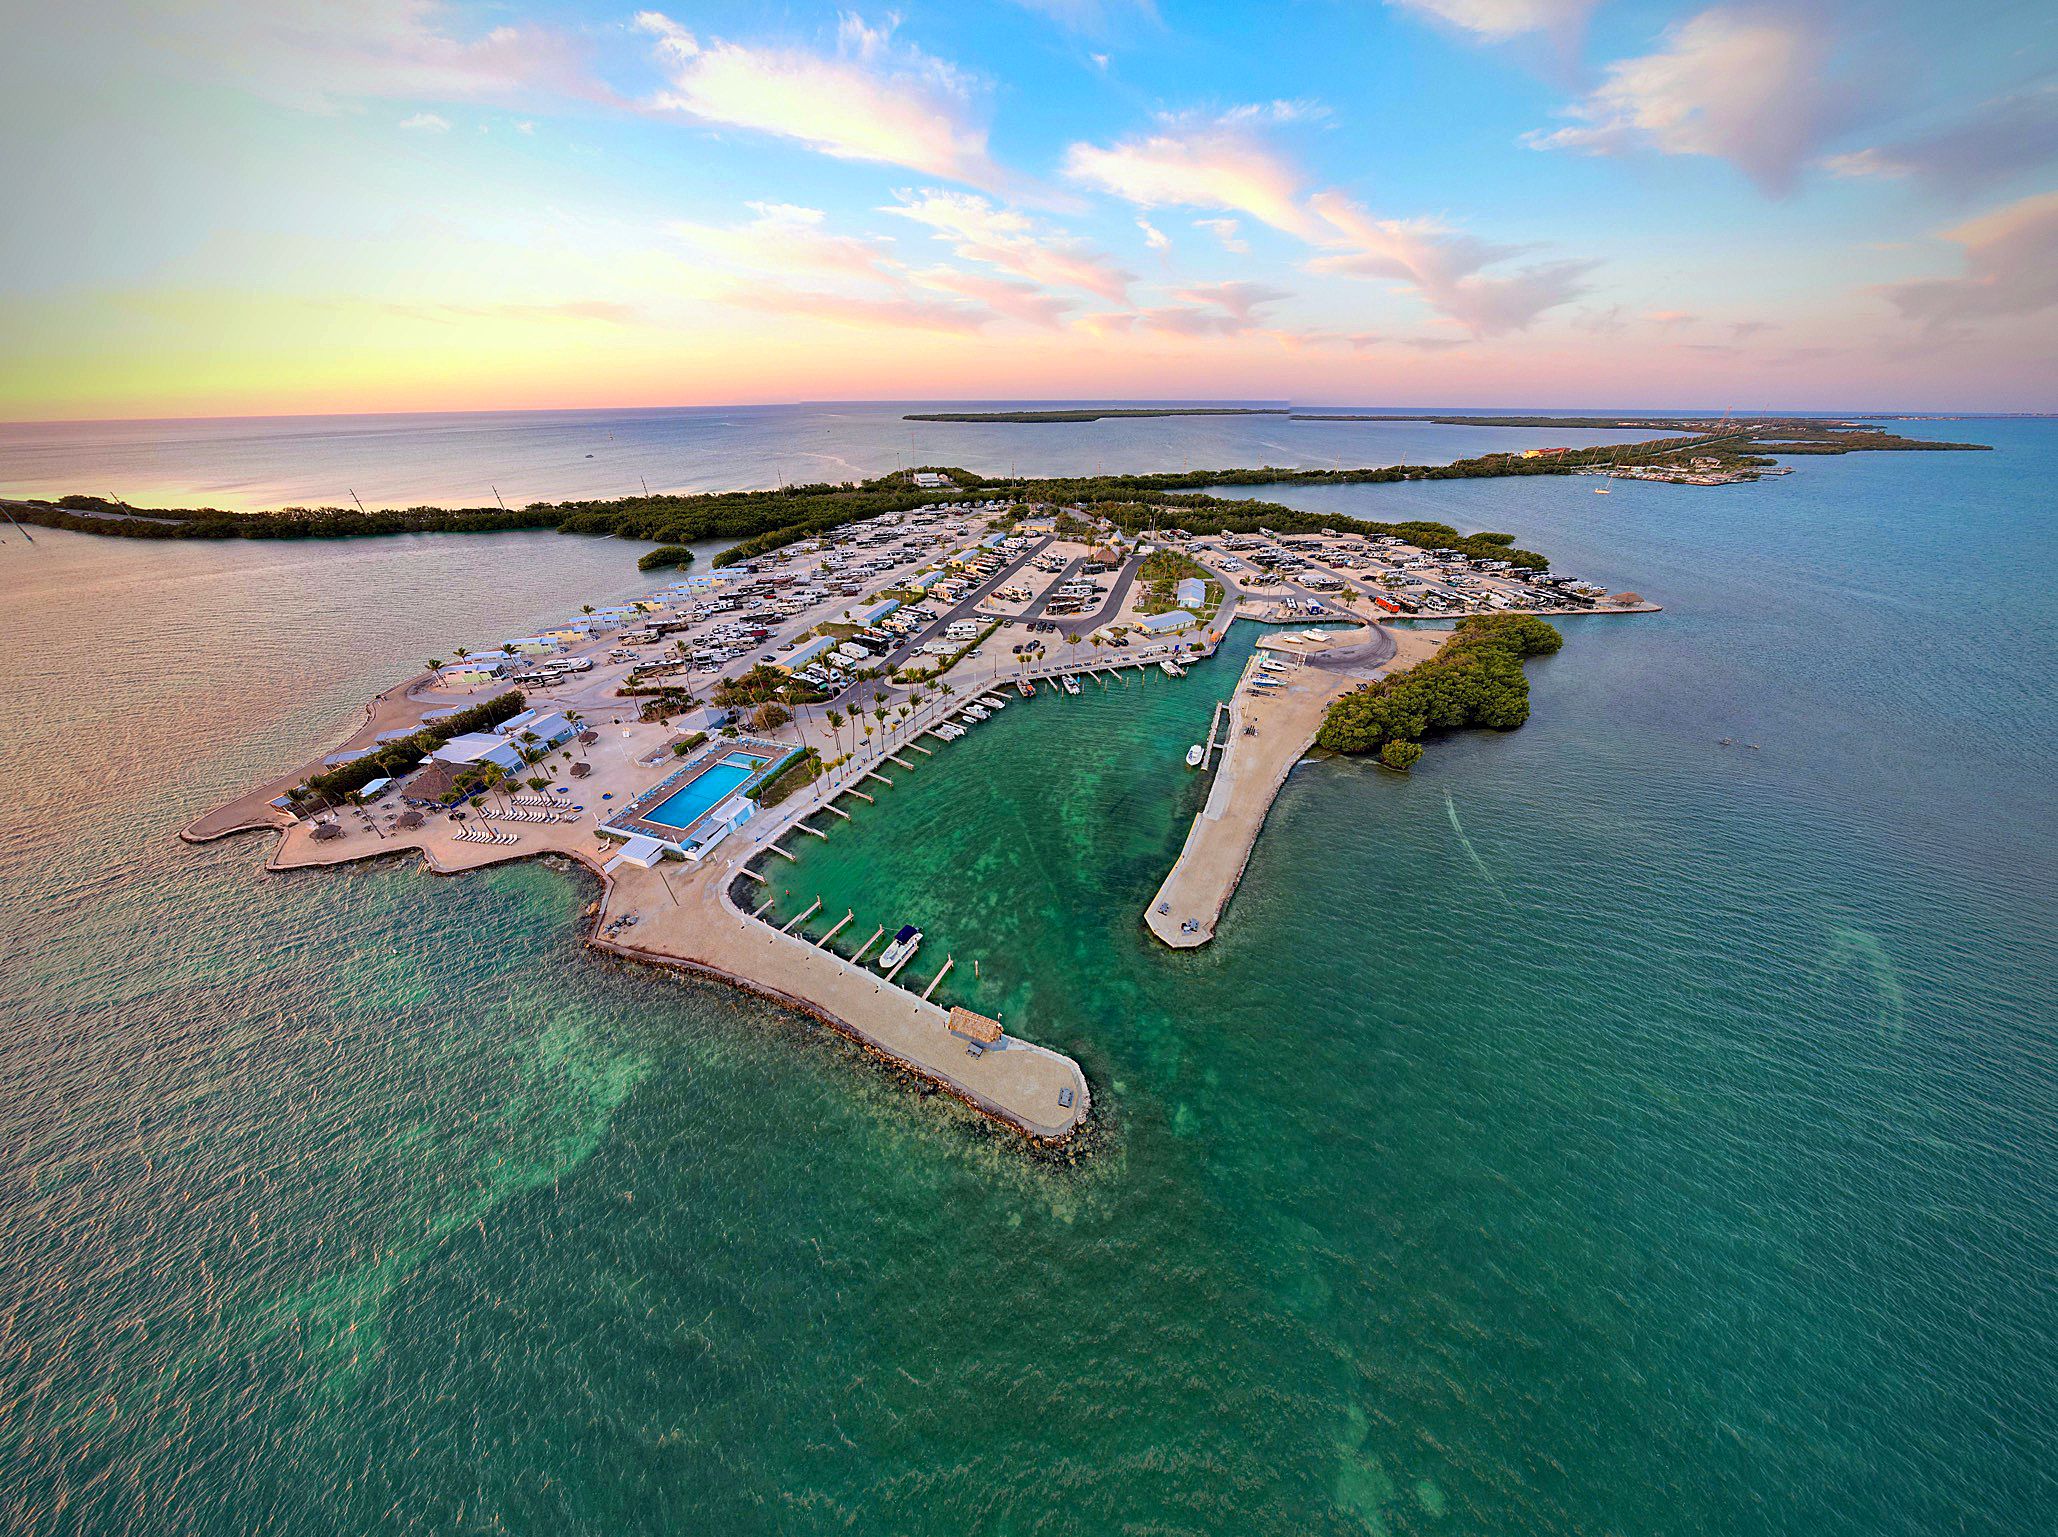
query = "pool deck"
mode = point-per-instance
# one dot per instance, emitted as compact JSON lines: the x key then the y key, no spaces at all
{"x":685,"y":919}
{"x":634,"y":817}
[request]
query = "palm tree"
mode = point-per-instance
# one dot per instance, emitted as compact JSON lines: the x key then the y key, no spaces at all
{"x":461,"y":653}
{"x":836,"y":730}
{"x":435,"y":664}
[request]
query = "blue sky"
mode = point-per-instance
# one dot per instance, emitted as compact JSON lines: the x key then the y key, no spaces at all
{"x":398,"y":204}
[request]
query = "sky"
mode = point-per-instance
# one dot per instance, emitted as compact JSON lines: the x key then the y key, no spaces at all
{"x":258,"y":207}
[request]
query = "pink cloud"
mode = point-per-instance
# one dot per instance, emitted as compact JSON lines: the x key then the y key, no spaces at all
{"x":1445,"y":268}
{"x":1217,"y":163}
{"x":1753,"y":87}
{"x":1017,"y":301}
{"x":872,"y":100}
{"x":999,"y":237}
{"x":2011,"y":268}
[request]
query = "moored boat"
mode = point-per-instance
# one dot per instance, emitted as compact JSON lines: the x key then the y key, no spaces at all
{"x":1069,"y":684}
{"x":1171,"y":669}
{"x":1195,"y":754}
{"x":903,"y":946}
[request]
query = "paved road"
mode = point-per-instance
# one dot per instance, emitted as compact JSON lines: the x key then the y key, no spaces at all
{"x":1375,"y":650}
{"x":966,"y":608}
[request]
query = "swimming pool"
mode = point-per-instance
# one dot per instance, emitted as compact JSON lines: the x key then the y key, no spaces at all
{"x":704,"y":791}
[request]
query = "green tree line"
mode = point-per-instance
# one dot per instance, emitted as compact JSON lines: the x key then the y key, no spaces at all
{"x":1475,"y":680}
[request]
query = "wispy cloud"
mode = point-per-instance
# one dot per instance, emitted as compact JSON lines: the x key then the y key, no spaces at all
{"x":2011,"y":269}
{"x":1219,"y":162}
{"x":324,"y":57}
{"x":1446,"y":268}
{"x":1996,"y":140}
{"x":866,"y":311}
{"x":1228,"y":232}
{"x":1496,"y":21}
{"x":1018,"y":301}
{"x":1153,"y":237}
{"x":787,"y":238}
{"x":1089,"y":16}
{"x":873,"y":99}
{"x":426,"y":122}
{"x":1238,"y":299}
{"x":979,"y":231}
{"x":1756,"y":88}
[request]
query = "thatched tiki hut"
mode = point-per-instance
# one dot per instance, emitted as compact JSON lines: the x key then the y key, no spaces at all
{"x":974,"y":1027}
{"x":581,"y":769}
{"x":409,"y":819}
{"x":323,"y":831}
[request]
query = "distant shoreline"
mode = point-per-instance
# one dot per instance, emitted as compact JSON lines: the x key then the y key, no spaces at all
{"x":1091,"y":414}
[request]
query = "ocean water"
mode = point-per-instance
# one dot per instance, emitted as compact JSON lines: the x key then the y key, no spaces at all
{"x":1602,"y":1129}
{"x":467,"y":459}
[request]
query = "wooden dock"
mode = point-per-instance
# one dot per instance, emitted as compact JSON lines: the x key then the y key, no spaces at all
{"x":861,"y":949}
{"x":875,"y":774}
{"x":897,"y":758}
{"x":823,"y":942}
{"x":839,"y":811}
{"x":807,"y":829}
{"x":918,"y":747}
{"x":861,"y":796}
{"x":897,"y":965}
{"x":759,"y":910}
{"x":948,"y":962}
{"x":780,"y":852}
{"x":1214,"y":732}
{"x":793,"y":923}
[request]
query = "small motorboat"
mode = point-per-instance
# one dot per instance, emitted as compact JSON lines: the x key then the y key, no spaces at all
{"x":1025,"y":688}
{"x":1194,"y":754}
{"x":903,"y":946}
{"x":1069,"y":683}
{"x":1171,"y":669}
{"x":973,"y":712}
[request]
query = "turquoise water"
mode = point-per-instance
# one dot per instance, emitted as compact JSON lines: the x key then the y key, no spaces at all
{"x":1600,"y":1130}
{"x":704,"y":791}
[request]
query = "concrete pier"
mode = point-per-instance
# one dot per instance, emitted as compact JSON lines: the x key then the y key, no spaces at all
{"x":1265,"y":734}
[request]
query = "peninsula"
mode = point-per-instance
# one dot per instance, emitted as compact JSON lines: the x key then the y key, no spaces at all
{"x":686,"y":748}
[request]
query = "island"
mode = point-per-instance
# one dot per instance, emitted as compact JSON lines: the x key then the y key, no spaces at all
{"x":1090,"y":413}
